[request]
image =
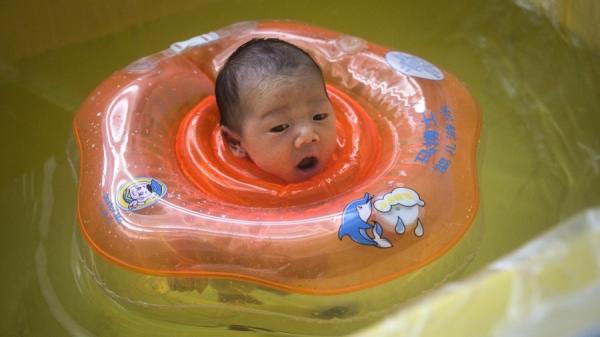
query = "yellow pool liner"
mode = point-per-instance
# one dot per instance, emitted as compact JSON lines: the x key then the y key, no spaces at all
{"x":549,"y":287}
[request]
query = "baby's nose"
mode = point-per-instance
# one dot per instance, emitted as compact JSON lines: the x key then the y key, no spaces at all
{"x":306,"y":136}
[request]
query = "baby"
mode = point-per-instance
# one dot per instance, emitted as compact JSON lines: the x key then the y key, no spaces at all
{"x":276,"y":112}
{"x":275,"y":109}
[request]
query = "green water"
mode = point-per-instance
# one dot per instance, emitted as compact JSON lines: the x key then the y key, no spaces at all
{"x":539,"y":154}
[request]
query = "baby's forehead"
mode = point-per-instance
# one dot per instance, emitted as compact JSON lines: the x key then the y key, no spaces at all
{"x":267,"y":82}
{"x":256,"y":92}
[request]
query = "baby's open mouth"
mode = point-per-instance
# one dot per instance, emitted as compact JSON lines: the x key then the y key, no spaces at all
{"x":308,"y":163}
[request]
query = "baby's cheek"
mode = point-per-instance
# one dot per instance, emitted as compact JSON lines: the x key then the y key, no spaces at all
{"x":271,"y":155}
{"x":331,"y":141}
{"x":278,"y":157}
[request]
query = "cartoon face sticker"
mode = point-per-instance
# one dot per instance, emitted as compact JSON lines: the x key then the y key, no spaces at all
{"x":140,"y":193}
{"x":364,"y":220}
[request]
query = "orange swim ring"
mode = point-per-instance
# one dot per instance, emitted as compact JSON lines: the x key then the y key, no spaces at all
{"x":160,"y":194}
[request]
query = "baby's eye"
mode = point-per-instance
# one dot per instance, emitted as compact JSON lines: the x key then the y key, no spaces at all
{"x":320,"y":117}
{"x":279,"y":128}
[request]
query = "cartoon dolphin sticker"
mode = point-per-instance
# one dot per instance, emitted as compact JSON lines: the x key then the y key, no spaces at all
{"x":355,"y":224}
{"x":363,"y":220}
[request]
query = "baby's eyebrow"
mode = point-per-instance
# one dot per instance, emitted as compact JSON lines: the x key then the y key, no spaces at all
{"x":320,"y":100}
{"x":285,"y":107}
{"x":274,"y":111}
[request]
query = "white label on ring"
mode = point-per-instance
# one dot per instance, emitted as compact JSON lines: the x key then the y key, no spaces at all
{"x":413,"y":66}
{"x":180,"y":46}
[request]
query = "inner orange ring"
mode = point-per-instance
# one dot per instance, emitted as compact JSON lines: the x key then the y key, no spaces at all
{"x":222,"y":177}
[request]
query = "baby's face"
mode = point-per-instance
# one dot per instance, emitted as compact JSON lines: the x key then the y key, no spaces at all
{"x":288,"y":128}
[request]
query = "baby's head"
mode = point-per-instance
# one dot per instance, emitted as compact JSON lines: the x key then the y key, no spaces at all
{"x":275,"y":110}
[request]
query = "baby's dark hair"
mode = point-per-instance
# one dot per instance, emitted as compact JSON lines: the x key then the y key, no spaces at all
{"x":255,"y":60}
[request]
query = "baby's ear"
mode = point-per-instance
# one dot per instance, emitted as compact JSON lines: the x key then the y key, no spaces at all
{"x":233,"y":140}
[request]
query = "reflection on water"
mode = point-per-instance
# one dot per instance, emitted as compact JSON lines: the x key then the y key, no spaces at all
{"x":539,"y":155}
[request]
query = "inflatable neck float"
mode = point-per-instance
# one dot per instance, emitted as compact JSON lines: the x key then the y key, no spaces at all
{"x":160,"y":193}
